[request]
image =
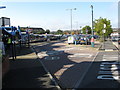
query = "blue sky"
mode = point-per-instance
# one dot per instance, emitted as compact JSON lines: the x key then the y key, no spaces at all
{"x":54,"y":16}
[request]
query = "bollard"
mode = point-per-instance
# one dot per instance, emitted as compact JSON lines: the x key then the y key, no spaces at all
{"x":75,"y":42}
{"x":92,"y":41}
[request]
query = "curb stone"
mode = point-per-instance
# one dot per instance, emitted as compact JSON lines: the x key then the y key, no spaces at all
{"x":48,"y":73}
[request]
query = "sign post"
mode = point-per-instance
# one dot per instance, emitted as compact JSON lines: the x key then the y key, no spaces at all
{"x":104,"y":31}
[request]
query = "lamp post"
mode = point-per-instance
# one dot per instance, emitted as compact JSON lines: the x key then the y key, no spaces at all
{"x":71,"y":16}
{"x":104,"y":31}
{"x":92,"y":39}
{"x":81,"y":30}
{"x":1,"y":7}
{"x":27,"y":32}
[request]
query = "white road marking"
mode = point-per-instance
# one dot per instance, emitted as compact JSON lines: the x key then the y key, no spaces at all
{"x":52,"y":58}
{"x":81,"y":55}
{"x":81,"y":78}
{"x":109,"y":70}
{"x":108,"y":77}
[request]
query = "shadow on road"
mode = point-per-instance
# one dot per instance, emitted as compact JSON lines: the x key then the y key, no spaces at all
{"x":68,"y":73}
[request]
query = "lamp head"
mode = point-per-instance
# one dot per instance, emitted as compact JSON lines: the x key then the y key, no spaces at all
{"x":91,"y":6}
{"x":75,"y":8}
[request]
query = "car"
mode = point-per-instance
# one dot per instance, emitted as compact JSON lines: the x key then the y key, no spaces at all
{"x":42,"y":38}
{"x":85,"y":40}
{"x":24,"y":37}
{"x":119,"y":40}
{"x":115,"y":38}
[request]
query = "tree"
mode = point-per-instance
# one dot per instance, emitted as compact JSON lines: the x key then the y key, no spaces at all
{"x":47,"y":31}
{"x":67,"y":32}
{"x":40,"y":32}
{"x":59,"y":32}
{"x":86,"y":30}
{"x":99,"y":26}
{"x":72,"y":32}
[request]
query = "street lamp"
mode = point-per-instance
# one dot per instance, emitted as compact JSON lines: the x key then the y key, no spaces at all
{"x":1,"y":7}
{"x":104,"y":31}
{"x":71,"y":15}
{"x":92,"y":39}
{"x":76,"y":25}
{"x":81,"y":30}
{"x":27,"y":32}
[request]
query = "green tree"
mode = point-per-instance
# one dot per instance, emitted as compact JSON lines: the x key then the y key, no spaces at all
{"x":47,"y":31}
{"x":22,"y":30}
{"x":86,"y":28}
{"x":99,"y":26}
{"x":72,"y":32}
{"x":40,"y":32}
{"x":59,"y":32}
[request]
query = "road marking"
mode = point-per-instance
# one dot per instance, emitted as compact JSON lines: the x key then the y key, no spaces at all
{"x":109,"y":70}
{"x":49,"y":53}
{"x":108,"y":77}
{"x":52,"y":58}
{"x":108,"y":49}
{"x":81,"y":55}
{"x":81,"y":78}
{"x":110,"y":58}
{"x":54,"y":52}
{"x":110,"y":63}
{"x":42,"y":54}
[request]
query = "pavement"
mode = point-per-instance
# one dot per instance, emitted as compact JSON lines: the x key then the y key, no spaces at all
{"x":27,"y":72}
{"x":108,"y":45}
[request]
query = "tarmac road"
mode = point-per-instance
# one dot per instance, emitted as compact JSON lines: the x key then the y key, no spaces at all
{"x":67,"y":63}
{"x":105,"y":70}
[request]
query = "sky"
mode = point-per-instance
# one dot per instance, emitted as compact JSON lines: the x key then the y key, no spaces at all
{"x":56,"y":15}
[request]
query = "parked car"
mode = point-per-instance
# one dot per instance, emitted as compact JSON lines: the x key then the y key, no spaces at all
{"x":85,"y":40}
{"x":42,"y":38}
{"x":115,"y":38}
{"x":24,"y":37}
{"x":119,"y":41}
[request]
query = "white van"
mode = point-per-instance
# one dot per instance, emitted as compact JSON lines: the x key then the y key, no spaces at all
{"x":71,"y":39}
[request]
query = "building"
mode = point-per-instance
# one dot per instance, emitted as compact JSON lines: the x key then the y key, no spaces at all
{"x":33,"y":29}
{"x":4,"y":21}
